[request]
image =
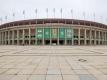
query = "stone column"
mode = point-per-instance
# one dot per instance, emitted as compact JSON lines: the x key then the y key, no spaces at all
{"x":5,"y":37}
{"x":0,"y":38}
{"x":17,"y":37}
{"x":43,"y":37}
{"x":95,"y":37}
{"x":104,"y":37}
{"x":99,"y":37}
{"x":90,"y":37}
{"x":23,"y":36}
{"x":13,"y":37}
{"x":79,"y":36}
{"x":58,"y":36}
{"x":9,"y":37}
{"x":50,"y":36}
{"x":36,"y":35}
{"x":65,"y":38}
{"x":85,"y":36}
{"x":72,"y":36}
{"x":29,"y":36}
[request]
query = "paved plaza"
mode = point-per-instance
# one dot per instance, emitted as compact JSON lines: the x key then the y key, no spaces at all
{"x":53,"y":62}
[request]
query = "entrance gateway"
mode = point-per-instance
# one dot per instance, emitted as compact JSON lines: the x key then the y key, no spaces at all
{"x":53,"y":36}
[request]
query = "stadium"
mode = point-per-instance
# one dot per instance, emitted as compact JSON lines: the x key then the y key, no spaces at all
{"x":53,"y":32}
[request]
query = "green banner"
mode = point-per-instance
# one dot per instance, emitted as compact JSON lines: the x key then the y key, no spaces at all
{"x":62,"y":33}
{"x":47,"y":33}
{"x":69,"y":33}
{"x":39,"y":33}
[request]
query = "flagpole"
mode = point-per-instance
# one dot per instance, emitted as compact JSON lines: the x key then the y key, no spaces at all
{"x":54,"y":12}
{"x":94,"y":16}
{"x":24,"y":14}
{"x":47,"y":12}
{"x":106,"y":21}
{"x":1,"y":21}
{"x":84,"y":15}
{"x":61,"y":12}
{"x":101,"y":18}
{"x":6,"y":19}
{"x":36,"y":13}
{"x":72,"y":13}
{"x":13,"y":16}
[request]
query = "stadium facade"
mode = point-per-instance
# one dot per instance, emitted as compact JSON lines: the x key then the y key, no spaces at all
{"x":53,"y":32}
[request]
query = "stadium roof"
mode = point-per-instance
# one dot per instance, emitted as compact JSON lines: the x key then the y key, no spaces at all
{"x":52,"y":20}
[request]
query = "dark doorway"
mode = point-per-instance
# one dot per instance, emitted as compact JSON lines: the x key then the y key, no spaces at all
{"x":69,"y":42}
{"x":61,"y":42}
{"x":39,"y":42}
{"x":54,"y":42}
{"x":47,"y":42}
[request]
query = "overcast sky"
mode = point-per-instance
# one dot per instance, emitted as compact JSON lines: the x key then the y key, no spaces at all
{"x":99,"y":7}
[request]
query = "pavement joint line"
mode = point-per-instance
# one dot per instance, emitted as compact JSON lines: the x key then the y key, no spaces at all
{"x":93,"y":51}
{"x":53,"y":55}
{"x":35,"y":68}
{"x":60,"y":67}
{"x":19,"y":51}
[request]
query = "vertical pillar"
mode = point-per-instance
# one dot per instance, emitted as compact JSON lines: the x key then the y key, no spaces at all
{"x":50,"y":36}
{"x":17,"y":37}
{"x":85,"y":36}
{"x":5,"y":37}
{"x":72,"y":36}
{"x":23,"y":36}
{"x":36,"y":35}
{"x":99,"y":37}
{"x":58,"y":36}
{"x":79,"y":36}
{"x":65,"y":37}
{"x":105,"y":38}
{"x":43,"y":36}
{"x":0,"y":38}
{"x":13,"y":37}
{"x":90,"y":37}
{"x":9,"y":37}
{"x":29,"y":36}
{"x":95,"y":37}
